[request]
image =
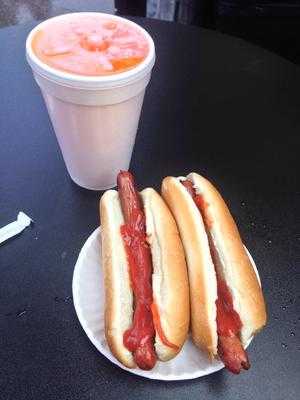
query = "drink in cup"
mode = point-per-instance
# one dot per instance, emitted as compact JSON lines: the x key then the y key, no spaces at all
{"x":92,"y":69}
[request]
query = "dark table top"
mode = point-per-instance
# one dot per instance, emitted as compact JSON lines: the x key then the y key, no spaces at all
{"x":215,"y":105}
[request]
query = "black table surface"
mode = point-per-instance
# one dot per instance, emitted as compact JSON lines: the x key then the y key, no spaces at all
{"x":215,"y":105}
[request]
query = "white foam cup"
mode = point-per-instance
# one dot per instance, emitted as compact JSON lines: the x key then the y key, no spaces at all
{"x":95,"y":118}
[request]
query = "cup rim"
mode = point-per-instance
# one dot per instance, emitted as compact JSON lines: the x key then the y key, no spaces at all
{"x":91,"y":82}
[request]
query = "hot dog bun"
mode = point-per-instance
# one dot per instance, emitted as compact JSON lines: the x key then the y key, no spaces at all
{"x":236,"y":267}
{"x":118,"y":292}
{"x":202,"y":277}
{"x":169,"y":280}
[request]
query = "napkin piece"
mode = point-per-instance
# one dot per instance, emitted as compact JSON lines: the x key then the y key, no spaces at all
{"x":15,"y":227}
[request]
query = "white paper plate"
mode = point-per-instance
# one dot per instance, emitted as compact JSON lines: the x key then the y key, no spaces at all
{"x":88,"y":297}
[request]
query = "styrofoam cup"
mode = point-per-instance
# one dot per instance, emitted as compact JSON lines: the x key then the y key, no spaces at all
{"x":95,"y":118}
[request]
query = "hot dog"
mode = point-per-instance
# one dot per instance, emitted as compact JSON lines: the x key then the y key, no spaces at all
{"x":145,"y":276}
{"x":139,"y":339}
{"x":227,"y":304}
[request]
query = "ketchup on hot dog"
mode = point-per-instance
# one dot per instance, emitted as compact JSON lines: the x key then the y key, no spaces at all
{"x":228,"y":319}
{"x":229,"y":325}
{"x":139,"y":339}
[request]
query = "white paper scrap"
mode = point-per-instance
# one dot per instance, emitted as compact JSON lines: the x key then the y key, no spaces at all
{"x":15,"y":227}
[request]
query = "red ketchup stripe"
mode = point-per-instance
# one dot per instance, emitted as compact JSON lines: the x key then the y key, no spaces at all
{"x":229,"y":325}
{"x":139,"y":339}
